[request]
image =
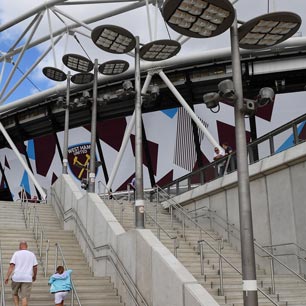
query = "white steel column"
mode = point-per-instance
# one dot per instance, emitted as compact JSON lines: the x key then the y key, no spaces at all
{"x":189,"y":110}
{"x":25,"y":166}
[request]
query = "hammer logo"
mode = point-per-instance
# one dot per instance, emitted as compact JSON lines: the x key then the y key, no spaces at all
{"x":79,"y":159}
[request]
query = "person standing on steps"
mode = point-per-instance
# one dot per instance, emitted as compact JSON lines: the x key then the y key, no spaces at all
{"x":23,"y":265}
{"x":60,"y":283}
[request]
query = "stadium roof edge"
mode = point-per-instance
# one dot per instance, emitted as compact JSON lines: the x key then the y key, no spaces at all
{"x":296,"y":43}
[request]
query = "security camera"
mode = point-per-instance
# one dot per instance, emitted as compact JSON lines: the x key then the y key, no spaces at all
{"x":86,"y":94}
{"x":266,"y":95}
{"x":84,"y":183}
{"x":211,"y":99}
{"x":249,"y":107}
{"x":226,"y":90}
{"x":127,"y":85}
{"x":154,"y":90}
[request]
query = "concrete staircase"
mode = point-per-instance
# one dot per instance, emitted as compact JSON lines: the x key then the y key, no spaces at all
{"x":91,"y":290}
{"x":289,"y":290}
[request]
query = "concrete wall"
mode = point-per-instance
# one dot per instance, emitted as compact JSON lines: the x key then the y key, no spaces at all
{"x":159,"y":276}
{"x":278,"y":197}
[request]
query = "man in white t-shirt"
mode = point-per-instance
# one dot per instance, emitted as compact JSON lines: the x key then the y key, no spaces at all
{"x":24,"y":265}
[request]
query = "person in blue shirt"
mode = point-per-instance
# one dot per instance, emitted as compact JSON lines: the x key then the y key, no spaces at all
{"x":60,"y":285}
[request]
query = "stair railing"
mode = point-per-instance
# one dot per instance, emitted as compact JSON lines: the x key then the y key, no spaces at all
{"x":108,"y":195}
{"x":24,"y":203}
{"x":93,"y":249}
{"x":173,"y":204}
{"x":32,"y":222}
{"x":297,"y":255}
{"x":274,"y":258}
{"x":74,"y":294}
{"x":117,"y":262}
{"x":41,"y":240}
{"x":207,"y":172}
{"x":2,"y":279}
{"x":161,"y":228}
{"x":230,"y":227}
{"x":221,"y":258}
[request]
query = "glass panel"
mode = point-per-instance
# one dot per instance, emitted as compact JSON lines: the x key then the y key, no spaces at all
{"x":183,"y":186}
{"x":283,"y":141}
{"x":263,"y":149}
{"x":195,"y":179}
{"x":210,"y":173}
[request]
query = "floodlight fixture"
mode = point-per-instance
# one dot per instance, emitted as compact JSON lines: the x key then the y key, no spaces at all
{"x":113,"y":39}
{"x":227,"y":91}
{"x":127,"y":85}
{"x":199,"y":18}
{"x":113,"y":67}
{"x":159,"y":50}
{"x":212,"y":100}
{"x":82,"y":78}
{"x":54,"y":74}
{"x":268,"y":30}
{"x":77,"y":62}
{"x":266,"y":95}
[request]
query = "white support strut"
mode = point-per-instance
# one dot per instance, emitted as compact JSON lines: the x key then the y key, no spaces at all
{"x":189,"y":110}
{"x":25,"y":166}
{"x":126,"y":137}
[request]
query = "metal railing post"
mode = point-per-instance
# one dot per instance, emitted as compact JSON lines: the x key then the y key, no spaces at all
{"x":56,"y":257}
{"x":184,"y":226}
{"x":200,"y":244}
{"x":40,"y":243}
{"x":272,"y":275}
{"x":171,"y":215}
{"x":47,"y":257}
{"x":221,"y":267}
{"x":156,"y":214}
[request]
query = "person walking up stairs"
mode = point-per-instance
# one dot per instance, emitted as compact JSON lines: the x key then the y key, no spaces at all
{"x":91,"y":290}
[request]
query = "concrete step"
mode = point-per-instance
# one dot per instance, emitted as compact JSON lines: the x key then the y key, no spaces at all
{"x":188,"y":254}
{"x":91,"y":290}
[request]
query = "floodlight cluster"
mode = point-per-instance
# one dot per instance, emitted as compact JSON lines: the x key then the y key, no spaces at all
{"x":160,"y":52}
{"x":199,"y":17}
{"x":113,"y":41}
{"x":54,"y":74}
{"x":267,"y":32}
{"x":78,"y":64}
{"x":82,"y":78}
{"x":113,"y":67}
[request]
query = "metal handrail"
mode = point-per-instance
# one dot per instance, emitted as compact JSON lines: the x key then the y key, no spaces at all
{"x":230,"y":264}
{"x":91,"y":247}
{"x":178,"y":206}
{"x":181,"y":209}
{"x":2,"y":278}
{"x":37,"y":227}
{"x":269,"y":136}
{"x":281,"y":263}
{"x":284,"y":244}
{"x":108,"y":246}
{"x":270,"y":255}
{"x":159,"y":227}
{"x":74,"y":292}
